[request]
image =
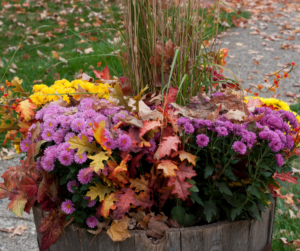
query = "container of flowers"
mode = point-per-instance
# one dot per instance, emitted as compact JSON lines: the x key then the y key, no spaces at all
{"x":190,"y":162}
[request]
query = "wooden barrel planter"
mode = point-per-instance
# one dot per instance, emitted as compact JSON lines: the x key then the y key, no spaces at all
{"x":220,"y":236}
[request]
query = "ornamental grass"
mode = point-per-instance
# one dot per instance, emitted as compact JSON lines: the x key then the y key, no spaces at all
{"x":139,"y":152}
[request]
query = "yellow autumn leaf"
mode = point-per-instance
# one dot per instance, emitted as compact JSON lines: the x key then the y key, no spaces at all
{"x":83,"y":145}
{"x":108,"y":204}
{"x":25,"y":109}
{"x":98,"y":161}
{"x":7,"y":127}
{"x":120,"y":96}
{"x":18,"y":88}
{"x":100,"y":190}
{"x":168,"y":168}
{"x":118,"y":230}
{"x":138,"y":98}
{"x":188,"y":156}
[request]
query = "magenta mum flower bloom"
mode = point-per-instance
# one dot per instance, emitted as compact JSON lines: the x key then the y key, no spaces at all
{"x":124,"y":142}
{"x":25,"y":145}
{"x":289,"y":142}
{"x":48,"y":135}
{"x":67,"y":207}
{"x":92,"y":222}
{"x":110,"y":144}
{"x":188,"y":128}
{"x":182,"y":121}
{"x":47,"y":164}
{"x":239,"y":147}
{"x":279,"y":160}
{"x":116,"y":118}
{"x":58,"y":136}
{"x":100,"y":118}
{"x":89,"y":114}
{"x":91,"y":202}
{"x":65,"y":158}
{"x":50,"y":124}
{"x":71,"y":184}
{"x":202,"y":140}
{"x":85,"y":176}
{"x":275,"y":145}
{"x":222,"y":131}
{"x":69,"y":135}
{"x":78,"y":125}
{"x":86,"y":103}
{"x":80,"y":158}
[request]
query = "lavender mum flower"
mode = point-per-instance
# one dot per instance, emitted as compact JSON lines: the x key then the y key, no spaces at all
{"x":92,"y":222}
{"x":25,"y":145}
{"x":188,"y":128}
{"x":124,"y":142}
{"x":182,"y":121}
{"x":71,"y":184}
{"x":222,"y":131}
{"x":289,"y":142}
{"x":202,"y":140}
{"x":81,"y":158}
{"x":100,"y":118}
{"x":48,"y":135}
{"x":217,"y":94}
{"x":91,"y":202}
{"x":279,"y":160}
{"x":67,"y":207}
{"x":69,"y":136}
{"x":50,"y":124}
{"x":65,"y":158}
{"x":86,"y":103}
{"x":110,"y":144}
{"x":58,"y":136}
{"x":47,"y":164}
{"x":88,"y":114}
{"x":239,"y":147}
{"x":116,"y":118}
{"x":85,"y":176}
{"x":78,"y":125}
{"x":275,"y":145}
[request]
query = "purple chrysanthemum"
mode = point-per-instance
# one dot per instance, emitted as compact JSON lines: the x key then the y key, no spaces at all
{"x":100,"y":118}
{"x":188,"y":128}
{"x":89,"y":114}
{"x":239,"y":147}
{"x":65,"y":158}
{"x":110,"y":143}
{"x":48,"y":135}
{"x":25,"y":145}
{"x":85,"y":176}
{"x":63,"y":147}
{"x":50,"y":152}
{"x":40,"y":114}
{"x":92,"y":222}
{"x":222,"y":131}
{"x":275,"y":145}
{"x":124,"y":142}
{"x":67,"y":207}
{"x":50,"y":124}
{"x":117,"y":116}
{"x":80,"y":158}
{"x":78,"y":125}
{"x":47,"y":164}
{"x":217,"y":94}
{"x":91,"y":202}
{"x":71,"y":184}
{"x":289,"y":142}
{"x":69,"y":136}
{"x":182,"y":121}
{"x":110,"y":111}
{"x":86,"y":103}
{"x":202,"y":140}
{"x":279,"y":160}
{"x":58,"y":136}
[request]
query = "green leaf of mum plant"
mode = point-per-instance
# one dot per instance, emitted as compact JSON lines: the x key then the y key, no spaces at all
{"x":180,"y":215}
{"x":224,"y":188}
{"x":210,"y":210}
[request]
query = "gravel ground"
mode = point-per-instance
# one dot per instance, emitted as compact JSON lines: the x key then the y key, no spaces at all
{"x":25,"y":242}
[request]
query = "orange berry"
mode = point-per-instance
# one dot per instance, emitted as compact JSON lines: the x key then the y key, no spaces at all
{"x":278,"y":75}
{"x":17,"y":100}
{"x":13,"y":106}
{"x":259,"y":87}
{"x":255,"y":93}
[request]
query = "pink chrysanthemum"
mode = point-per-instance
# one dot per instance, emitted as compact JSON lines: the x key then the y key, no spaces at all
{"x":50,"y":124}
{"x":124,"y":142}
{"x":110,"y":144}
{"x":47,"y":164}
{"x":239,"y":147}
{"x":279,"y":160}
{"x":202,"y":140}
{"x":25,"y":145}
{"x":92,"y":222}
{"x":117,"y":116}
{"x":89,"y":113}
{"x":91,"y":202}
{"x":78,"y":125}
{"x":48,"y":134}
{"x":69,"y":136}
{"x":67,"y":207}
{"x":86,"y":104}
{"x":71,"y":184}
{"x":63,"y":147}
{"x":65,"y":158}
{"x":58,"y":136}
{"x":38,"y":166}
{"x":81,"y":158}
{"x":85,"y":175}
{"x":100,"y":118}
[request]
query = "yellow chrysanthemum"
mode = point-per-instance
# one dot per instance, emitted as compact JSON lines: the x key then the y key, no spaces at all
{"x":38,"y":88}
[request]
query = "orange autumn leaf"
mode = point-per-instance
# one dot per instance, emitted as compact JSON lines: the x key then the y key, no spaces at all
{"x":26,"y":109}
{"x":99,"y":131}
{"x":108,"y":204}
{"x":272,"y":89}
{"x":168,"y":168}
{"x":259,"y":87}
{"x":140,"y":184}
{"x":118,"y":230}
{"x":122,"y":167}
{"x":185,"y":155}
{"x":17,"y":203}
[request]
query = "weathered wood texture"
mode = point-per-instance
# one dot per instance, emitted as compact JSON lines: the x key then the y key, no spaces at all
{"x":221,"y":236}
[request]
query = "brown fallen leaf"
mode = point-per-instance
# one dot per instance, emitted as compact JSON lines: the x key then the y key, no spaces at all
{"x":156,"y":229}
{"x":292,"y":214}
{"x":290,"y":94}
{"x":255,"y":71}
{"x":290,"y":38}
{"x":18,"y":230}
{"x":284,"y":241}
{"x":235,"y":115}
{"x":118,"y":230}
{"x":296,"y":243}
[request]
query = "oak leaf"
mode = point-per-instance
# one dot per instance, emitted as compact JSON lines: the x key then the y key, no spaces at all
{"x":165,"y":194}
{"x":18,"y":88}
{"x":83,"y":145}
{"x":180,"y":188}
{"x":18,"y":200}
{"x":51,"y":227}
{"x":285,"y":177}
{"x":236,"y":115}
{"x":11,"y":177}
{"x":98,"y":161}
{"x":156,"y":229}
{"x":28,"y":185}
{"x":119,"y":95}
{"x":168,"y":168}
{"x":118,"y":230}
{"x":140,"y":184}
{"x":149,"y":125}
{"x":4,"y":193}
{"x":108,"y":204}
{"x":143,"y":200}
{"x":4,"y":127}
{"x":184,"y":171}
{"x":185,"y":155}
{"x":167,"y":145}
{"x":100,"y":190}
{"x":26,"y":109}
{"x":99,"y":131}
{"x":123,"y":205}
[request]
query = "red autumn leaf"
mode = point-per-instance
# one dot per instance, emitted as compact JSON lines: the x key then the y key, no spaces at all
{"x":167,"y":145}
{"x":123,"y":206}
{"x":18,"y":200}
{"x":48,"y":205}
{"x":104,"y":75}
{"x":180,"y":188}
{"x":44,"y":186}
{"x":143,"y":200}
{"x":171,"y":96}
{"x":165,"y":194}
{"x":51,"y":227}
{"x":135,"y":163}
{"x":149,"y":125}
{"x":107,"y":204}
{"x":285,"y":177}
{"x":11,"y":178}
{"x":135,"y":139}
{"x":25,"y":109}
{"x":29,"y":204}
{"x":140,"y":184}
{"x":184,"y":171}
{"x":28,"y":185}
{"x":3,"y":191}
